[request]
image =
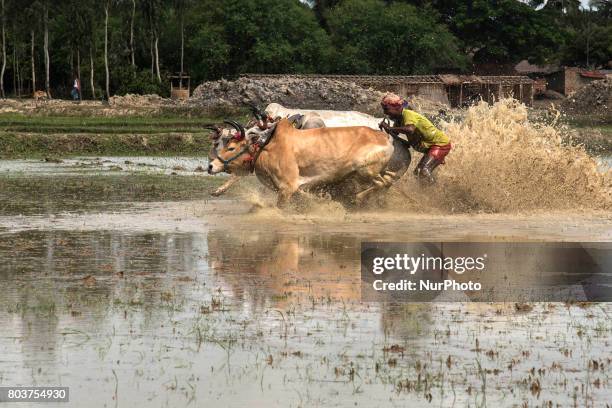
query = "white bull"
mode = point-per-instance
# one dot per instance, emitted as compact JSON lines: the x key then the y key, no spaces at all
{"x":330,"y":117}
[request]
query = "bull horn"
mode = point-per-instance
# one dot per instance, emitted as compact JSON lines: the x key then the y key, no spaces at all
{"x":215,"y":128}
{"x":257,"y":112}
{"x":211,"y":126}
{"x":236,"y":126}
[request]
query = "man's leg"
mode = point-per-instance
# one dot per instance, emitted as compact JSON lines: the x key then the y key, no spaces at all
{"x":425,"y":168}
{"x":430,"y":160}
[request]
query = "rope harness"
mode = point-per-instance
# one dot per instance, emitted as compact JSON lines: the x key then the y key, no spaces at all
{"x":254,"y":150}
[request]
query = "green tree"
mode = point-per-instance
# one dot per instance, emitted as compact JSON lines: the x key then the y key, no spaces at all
{"x":265,"y":36}
{"x":505,"y":31}
{"x":588,"y":40}
{"x":603,"y":8}
{"x":154,"y":11}
{"x":557,"y":6}
{"x":181,"y":8}
{"x":375,"y":38}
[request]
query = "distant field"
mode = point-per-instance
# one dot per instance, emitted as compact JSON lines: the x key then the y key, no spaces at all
{"x":596,"y":136}
{"x":606,"y":129}
{"x":123,"y":124}
{"x":57,"y":135}
{"x":23,"y":136}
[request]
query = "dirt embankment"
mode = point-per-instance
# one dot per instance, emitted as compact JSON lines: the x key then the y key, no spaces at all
{"x":60,"y":145}
{"x":592,"y":99}
{"x":291,"y":92}
{"x":127,"y":105}
{"x":226,"y":98}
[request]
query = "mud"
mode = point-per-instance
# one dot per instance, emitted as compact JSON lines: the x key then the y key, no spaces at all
{"x":594,"y":98}
{"x":304,"y":93}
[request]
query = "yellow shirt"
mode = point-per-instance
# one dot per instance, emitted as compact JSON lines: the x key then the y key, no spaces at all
{"x":430,"y":135}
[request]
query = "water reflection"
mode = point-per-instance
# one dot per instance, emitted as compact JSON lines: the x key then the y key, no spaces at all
{"x":231,"y":316}
{"x":275,"y":265}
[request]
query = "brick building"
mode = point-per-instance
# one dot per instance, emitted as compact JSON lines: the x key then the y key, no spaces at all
{"x":568,"y":80}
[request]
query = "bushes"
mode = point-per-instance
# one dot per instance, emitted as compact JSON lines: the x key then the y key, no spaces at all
{"x":125,"y":80}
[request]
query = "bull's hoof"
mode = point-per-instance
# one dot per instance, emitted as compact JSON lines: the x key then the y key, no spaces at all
{"x":361,"y":198}
{"x":217,"y":193}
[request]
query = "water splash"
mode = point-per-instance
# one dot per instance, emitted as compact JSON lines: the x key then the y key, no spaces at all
{"x":503,"y":162}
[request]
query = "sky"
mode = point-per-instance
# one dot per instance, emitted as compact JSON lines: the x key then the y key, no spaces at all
{"x":584,"y":3}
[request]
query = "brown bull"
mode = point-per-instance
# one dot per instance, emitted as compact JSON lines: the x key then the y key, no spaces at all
{"x":220,"y":137}
{"x":289,"y":160}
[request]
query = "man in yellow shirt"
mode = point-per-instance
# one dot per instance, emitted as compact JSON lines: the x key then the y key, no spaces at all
{"x":422,"y":135}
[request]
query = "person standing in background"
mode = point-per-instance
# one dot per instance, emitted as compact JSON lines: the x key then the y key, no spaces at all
{"x":76,"y":90}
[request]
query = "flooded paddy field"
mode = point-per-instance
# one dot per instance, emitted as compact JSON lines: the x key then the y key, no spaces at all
{"x":136,"y":288}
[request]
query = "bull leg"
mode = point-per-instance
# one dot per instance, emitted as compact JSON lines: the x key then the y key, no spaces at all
{"x":379,"y":183}
{"x":373,"y":172}
{"x":286,"y":180}
{"x":361,"y":197}
{"x":284,"y":196}
{"x":285,"y":192}
{"x":221,"y":190}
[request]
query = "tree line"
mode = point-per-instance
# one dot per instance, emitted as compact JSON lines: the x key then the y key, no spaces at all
{"x":131,"y":46}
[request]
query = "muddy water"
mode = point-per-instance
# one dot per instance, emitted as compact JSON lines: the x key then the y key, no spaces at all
{"x":136,"y":296}
{"x":103,"y":165}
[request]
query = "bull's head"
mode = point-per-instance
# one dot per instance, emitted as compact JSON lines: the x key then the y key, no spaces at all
{"x":219,"y":137}
{"x":215,"y":138}
{"x":230,"y":154}
{"x":237,"y":155}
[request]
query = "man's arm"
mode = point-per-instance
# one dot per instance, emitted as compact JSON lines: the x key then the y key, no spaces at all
{"x":408,"y":129}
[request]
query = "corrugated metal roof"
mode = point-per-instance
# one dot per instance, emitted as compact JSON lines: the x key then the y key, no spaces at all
{"x":593,"y":74}
{"x":446,"y":79}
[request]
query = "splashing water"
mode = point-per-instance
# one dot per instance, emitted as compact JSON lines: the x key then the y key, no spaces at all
{"x":304,"y":206}
{"x":502,"y":162}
